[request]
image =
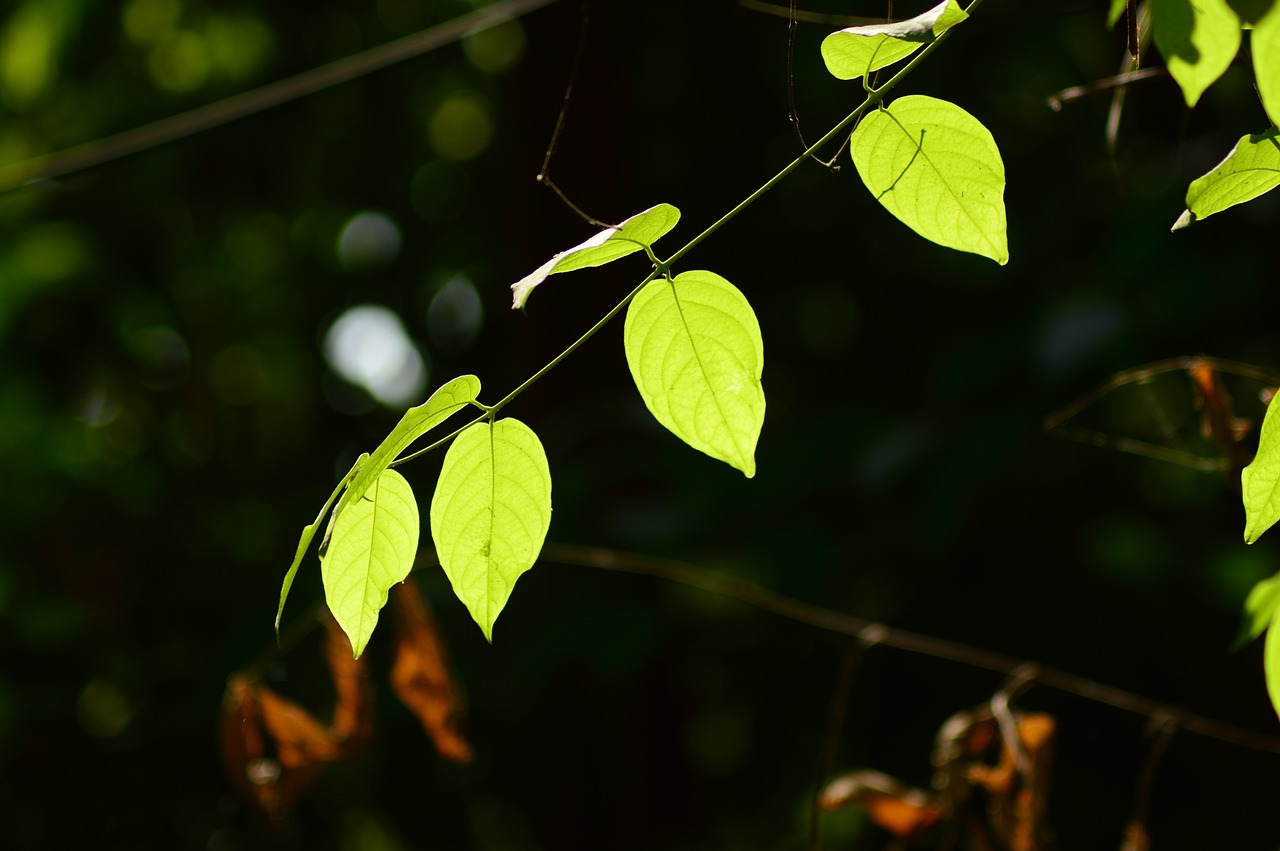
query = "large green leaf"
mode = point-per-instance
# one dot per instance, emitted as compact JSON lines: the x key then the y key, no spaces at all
{"x":695,"y":352}
{"x":1260,"y":481}
{"x":1197,"y":38}
{"x":374,"y":542}
{"x":937,"y":169}
{"x":490,"y":514}
{"x":1264,"y":43}
{"x":1260,"y":608}
{"x":1251,"y":169}
{"x":448,"y":399}
{"x":634,"y":234}
{"x":856,"y":51}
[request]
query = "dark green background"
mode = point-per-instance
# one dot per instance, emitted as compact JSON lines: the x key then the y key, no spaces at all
{"x":151,"y":501}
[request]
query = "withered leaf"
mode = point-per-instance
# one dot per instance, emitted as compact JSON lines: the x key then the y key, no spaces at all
{"x":352,"y":724}
{"x":420,"y":674}
{"x":904,"y":811}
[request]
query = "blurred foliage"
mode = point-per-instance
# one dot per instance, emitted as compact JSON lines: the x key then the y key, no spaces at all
{"x":170,"y":416}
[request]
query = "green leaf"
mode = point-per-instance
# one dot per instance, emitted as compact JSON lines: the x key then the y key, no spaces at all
{"x":1251,"y":169}
{"x":1260,"y":481}
{"x":937,"y":169}
{"x":448,"y":399}
{"x":856,"y":51}
{"x":375,"y":540}
{"x":1271,"y":664}
{"x":634,"y":234}
{"x":1197,"y":38}
{"x":309,"y":532}
{"x":1260,"y":609}
{"x":490,"y":514}
{"x":695,"y":352}
{"x":1264,"y":44}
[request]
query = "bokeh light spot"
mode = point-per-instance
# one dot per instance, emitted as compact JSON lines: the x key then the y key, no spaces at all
{"x":103,"y":709}
{"x":146,"y":21}
{"x":496,"y":49}
{"x":180,"y":62}
{"x":162,"y":357}
{"x":455,"y":315}
{"x":368,"y":346}
{"x":369,"y":240}
{"x":461,"y":127}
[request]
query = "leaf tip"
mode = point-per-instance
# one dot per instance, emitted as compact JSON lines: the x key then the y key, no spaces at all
{"x":1185,"y":220}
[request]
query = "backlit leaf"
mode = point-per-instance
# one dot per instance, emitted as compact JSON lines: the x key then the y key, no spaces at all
{"x":634,"y":234}
{"x":1260,"y":481}
{"x":937,"y":169}
{"x":490,"y":514}
{"x":420,"y":674}
{"x":1260,"y":608}
{"x":374,"y":543}
{"x":1197,"y":38}
{"x":1271,"y":664}
{"x":1116,"y":12}
{"x":1251,"y":169}
{"x":448,"y":399}
{"x":856,"y":51}
{"x":1264,"y":44}
{"x":695,"y":352}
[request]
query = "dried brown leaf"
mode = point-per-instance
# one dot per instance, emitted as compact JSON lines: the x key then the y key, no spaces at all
{"x":420,"y":674}
{"x":904,"y":811}
{"x":352,"y":724}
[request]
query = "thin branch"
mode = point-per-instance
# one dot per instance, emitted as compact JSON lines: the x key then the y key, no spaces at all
{"x":1074,"y":93}
{"x":925,"y":645}
{"x":544,"y":174}
{"x":248,"y":103}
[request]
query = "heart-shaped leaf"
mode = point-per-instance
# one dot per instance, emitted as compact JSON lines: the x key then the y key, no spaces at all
{"x":694,"y":347}
{"x":937,"y":169}
{"x":374,"y":542}
{"x":490,"y":514}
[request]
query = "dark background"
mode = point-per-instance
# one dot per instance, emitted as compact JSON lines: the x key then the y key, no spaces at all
{"x":168,"y":423}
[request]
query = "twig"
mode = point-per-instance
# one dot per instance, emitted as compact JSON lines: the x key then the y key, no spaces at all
{"x":176,"y":127}
{"x":925,"y":645}
{"x":1059,"y":99}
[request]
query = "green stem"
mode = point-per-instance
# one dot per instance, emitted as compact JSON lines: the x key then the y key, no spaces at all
{"x":873,"y":98}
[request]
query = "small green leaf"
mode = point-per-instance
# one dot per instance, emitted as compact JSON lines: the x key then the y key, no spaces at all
{"x":490,"y":514}
{"x":375,"y":540}
{"x":636,"y":233}
{"x":856,"y":51}
{"x":937,"y":169}
{"x":1251,"y":169}
{"x":448,"y":399}
{"x":695,"y":352}
{"x":308,"y":532}
{"x":1271,"y":664}
{"x":1260,"y":609}
{"x":1260,"y":481}
{"x":1264,"y":44}
{"x":1197,"y":39}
